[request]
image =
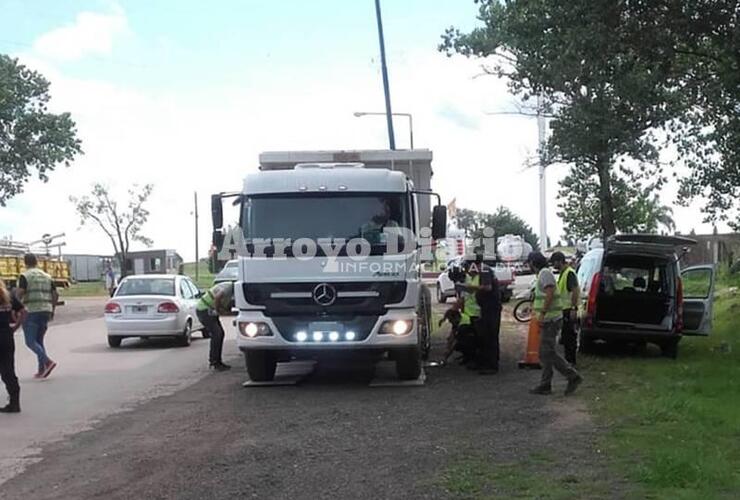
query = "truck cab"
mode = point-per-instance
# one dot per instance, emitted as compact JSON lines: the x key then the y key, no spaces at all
{"x":331,"y":266}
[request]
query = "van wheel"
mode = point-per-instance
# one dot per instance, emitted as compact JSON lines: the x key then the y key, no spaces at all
{"x":408,"y":363}
{"x":261,"y":365}
{"x":585,"y":344}
{"x":669,"y":349}
{"x":114,"y":341}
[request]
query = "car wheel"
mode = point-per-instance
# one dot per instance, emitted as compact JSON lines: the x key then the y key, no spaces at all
{"x":408,"y":363}
{"x":187,"y":335}
{"x":585,"y":344}
{"x":441,"y":298}
{"x":114,"y":341}
{"x":669,"y":349}
{"x":261,"y":365}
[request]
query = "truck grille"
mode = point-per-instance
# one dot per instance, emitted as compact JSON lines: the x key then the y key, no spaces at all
{"x":353,"y":299}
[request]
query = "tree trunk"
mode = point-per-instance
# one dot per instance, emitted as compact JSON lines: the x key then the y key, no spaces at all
{"x":122,"y":257}
{"x":605,"y":198}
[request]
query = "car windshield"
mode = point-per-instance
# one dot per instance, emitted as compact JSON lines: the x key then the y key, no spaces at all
{"x":327,"y":216}
{"x":230,"y":270}
{"x":146,"y":286}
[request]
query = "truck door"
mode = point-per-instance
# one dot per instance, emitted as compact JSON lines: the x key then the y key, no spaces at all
{"x":698,"y":299}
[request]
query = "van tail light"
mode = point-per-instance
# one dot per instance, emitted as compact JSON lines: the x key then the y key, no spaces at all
{"x":168,"y":307}
{"x":679,"y":307}
{"x":112,"y":308}
{"x":593,"y":292}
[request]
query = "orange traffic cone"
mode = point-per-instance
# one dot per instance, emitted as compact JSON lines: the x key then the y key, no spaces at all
{"x":532,"y":356}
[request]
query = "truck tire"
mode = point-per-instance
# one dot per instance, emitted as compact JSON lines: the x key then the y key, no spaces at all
{"x":260,"y":365}
{"x":424,"y":323}
{"x":114,"y":341}
{"x":408,"y":363}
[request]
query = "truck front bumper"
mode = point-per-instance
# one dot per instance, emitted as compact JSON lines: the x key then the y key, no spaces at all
{"x":280,"y":339}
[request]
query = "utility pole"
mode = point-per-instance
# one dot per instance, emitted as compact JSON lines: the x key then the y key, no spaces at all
{"x":543,"y":179}
{"x":384,"y":69}
{"x":197,"y":260}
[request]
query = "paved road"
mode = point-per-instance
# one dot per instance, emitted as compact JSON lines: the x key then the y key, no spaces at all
{"x":91,"y":381}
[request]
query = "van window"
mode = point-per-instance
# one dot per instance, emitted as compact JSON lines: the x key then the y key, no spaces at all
{"x":589,"y":266}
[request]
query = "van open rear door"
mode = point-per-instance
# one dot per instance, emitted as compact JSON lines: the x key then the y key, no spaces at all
{"x":698,"y":299}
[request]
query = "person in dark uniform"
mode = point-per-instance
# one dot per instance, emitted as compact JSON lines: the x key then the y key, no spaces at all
{"x":483,"y":304}
{"x":12,"y":314}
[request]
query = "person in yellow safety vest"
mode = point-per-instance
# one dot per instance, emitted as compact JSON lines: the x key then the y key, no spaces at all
{"x":549,"y":312}
{"x":214,"y":301}
{"x":482,"y":304}
{"x":37,"y":292}
{"x":569,"y":296}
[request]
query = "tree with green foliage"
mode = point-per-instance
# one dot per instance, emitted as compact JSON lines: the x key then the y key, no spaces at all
{"x":31,"y":138}
{"x":605,"y":101}
{"x":635,"y":209}
{"x":503,"y":221}
{"x":122,"y":224}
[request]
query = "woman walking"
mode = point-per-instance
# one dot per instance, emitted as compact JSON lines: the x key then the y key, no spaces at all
{"x":12,"y":314}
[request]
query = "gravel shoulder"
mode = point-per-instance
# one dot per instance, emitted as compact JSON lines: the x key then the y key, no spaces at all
{"x":334,"y":437}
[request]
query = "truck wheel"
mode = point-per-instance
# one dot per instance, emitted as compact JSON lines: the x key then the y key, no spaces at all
{"x":114,"y":341}
{"x":408,"y":363}
{"x":669,"y":349}
{"x":424,"y":329}
{"x":261,"y":365}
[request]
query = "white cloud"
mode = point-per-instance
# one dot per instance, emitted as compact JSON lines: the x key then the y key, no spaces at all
{"x":207,"y":140}
{"x":92,"y":33}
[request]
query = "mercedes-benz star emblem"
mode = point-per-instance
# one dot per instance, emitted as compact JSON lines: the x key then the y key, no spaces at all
{"x":324,"y":294}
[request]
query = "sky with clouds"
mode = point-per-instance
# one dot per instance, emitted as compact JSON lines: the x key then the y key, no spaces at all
{"x":185,"y":95}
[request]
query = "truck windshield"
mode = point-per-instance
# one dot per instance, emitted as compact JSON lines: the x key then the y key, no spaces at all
{"x":326,"y":216}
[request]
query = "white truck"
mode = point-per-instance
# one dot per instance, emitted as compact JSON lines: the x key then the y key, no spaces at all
{"x":295,"y":304}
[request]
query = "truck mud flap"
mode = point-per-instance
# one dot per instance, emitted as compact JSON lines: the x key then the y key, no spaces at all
{"x":291,"y":373}
{"x":385,"y":376}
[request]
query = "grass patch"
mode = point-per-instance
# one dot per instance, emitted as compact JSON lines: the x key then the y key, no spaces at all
{"x":205,"y":277}
{"x":84,"y":289}
{"x":674,"y":426}
{"x":535,"y":477}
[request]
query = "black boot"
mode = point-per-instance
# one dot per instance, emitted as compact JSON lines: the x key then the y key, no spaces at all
{"x":14,"y":405}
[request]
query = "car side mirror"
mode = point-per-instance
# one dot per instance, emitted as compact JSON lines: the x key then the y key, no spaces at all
{"x":439,"y":222}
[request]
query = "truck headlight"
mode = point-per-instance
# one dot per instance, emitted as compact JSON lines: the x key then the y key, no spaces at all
{"x":254,"y":329}
{"x":397,"y":327}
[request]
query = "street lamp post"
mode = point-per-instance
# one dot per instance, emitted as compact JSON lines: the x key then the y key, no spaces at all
{"x":384,"y":69}
{"x":358,"y":114}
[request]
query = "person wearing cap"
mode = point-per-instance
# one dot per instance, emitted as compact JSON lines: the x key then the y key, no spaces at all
{"x":548,"y":311}
{"x":569,"y":295}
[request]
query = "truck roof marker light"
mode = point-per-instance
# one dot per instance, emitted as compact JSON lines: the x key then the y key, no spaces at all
{"x":303,"y":188}
{"x":333,"y":336}
{"x":342,"y":187}
{"x":350,"y":335}
{"x":301,"y":336}
{"x":322,"y":188}
{"x":318,"y":336}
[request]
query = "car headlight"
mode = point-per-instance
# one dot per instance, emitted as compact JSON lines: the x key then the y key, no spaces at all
{"x":254,"y":329}
{"x":397,"y":326}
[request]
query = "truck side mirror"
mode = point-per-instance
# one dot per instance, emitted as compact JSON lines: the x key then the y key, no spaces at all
{"x":439,"y":222}
{"x":217,"y":212}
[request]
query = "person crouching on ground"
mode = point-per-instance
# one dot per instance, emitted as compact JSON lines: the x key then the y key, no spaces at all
{"x":12,"y":314}
{"x":548,"y":311}
{"x":217,"y":300}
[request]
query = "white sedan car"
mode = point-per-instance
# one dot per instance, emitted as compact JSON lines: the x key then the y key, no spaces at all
{"x":153,"y":305}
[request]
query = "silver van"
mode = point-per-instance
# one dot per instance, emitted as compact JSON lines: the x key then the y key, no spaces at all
{"x":633,"y":290}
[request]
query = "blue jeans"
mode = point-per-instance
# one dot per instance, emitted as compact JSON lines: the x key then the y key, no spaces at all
{"x":34,"y":329}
